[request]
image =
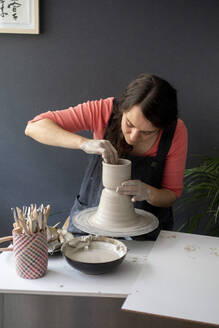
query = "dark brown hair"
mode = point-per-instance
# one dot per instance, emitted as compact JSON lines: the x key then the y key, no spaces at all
{"x":158,"y":102}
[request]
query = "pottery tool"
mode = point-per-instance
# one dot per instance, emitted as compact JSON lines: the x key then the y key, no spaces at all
{"x":40,"y":219}
{"x":17,"y":230}
{"x":4,"y":239}
{"x":31,"y":219}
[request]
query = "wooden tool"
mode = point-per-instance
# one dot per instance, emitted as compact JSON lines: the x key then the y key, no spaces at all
{"x":4,"y":239}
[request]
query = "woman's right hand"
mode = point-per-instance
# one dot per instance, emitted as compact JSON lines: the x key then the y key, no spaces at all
{"x":101,"y":147}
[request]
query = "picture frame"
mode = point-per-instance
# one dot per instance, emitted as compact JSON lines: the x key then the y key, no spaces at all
{"x":19,"y":16}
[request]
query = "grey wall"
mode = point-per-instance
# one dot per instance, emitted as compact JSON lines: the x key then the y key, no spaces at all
{"x":91,"y":50}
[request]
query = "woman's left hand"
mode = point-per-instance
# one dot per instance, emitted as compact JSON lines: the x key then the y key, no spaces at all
{"x":135,"y":188}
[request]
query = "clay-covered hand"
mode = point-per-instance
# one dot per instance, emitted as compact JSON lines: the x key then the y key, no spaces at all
{"x":101,"y":147}
{"x":135,"y":188}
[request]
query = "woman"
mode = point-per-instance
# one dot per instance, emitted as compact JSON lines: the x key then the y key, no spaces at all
{"x":141,"y":125}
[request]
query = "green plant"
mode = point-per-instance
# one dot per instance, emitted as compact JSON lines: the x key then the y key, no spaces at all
{"x":201,"y":186}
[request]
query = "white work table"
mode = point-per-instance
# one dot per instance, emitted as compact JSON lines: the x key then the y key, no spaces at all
{"x":62,"y":279}
{"x":174,"y":278}
{"x":181,"y":279}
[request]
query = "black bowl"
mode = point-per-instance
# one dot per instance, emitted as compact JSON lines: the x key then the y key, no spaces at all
{"x":79,"y":253}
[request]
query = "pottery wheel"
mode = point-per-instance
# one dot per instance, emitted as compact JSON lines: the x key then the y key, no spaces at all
{"x":143,"y":223}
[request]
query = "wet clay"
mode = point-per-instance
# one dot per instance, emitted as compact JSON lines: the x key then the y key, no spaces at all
{"x":115,"y":216}
{"x":96,"y":252}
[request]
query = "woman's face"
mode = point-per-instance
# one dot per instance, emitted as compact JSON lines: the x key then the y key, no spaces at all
{"x":136,"y":128}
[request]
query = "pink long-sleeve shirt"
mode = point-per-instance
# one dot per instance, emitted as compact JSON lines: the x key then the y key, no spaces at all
{"x":94,"y":116}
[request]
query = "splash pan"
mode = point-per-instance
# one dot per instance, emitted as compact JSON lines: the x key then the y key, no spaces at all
{"x":142,"y":223}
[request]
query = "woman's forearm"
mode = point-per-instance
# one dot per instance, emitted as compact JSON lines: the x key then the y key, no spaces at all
{"x":48,"y":132}
{"x":160,"y":197}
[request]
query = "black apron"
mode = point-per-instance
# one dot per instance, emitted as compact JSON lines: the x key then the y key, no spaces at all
{"x":147,"y":169}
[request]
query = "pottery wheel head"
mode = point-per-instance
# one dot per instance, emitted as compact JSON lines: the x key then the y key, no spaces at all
{"x":143,"y":222}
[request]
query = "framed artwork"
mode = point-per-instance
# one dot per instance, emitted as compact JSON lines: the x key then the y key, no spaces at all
{"x":19,"y":16}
